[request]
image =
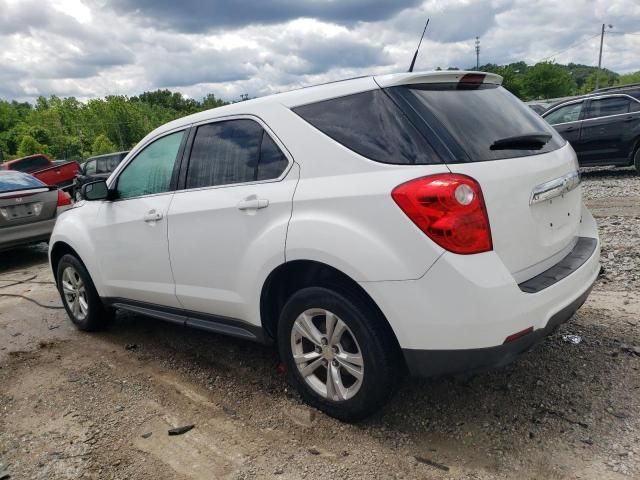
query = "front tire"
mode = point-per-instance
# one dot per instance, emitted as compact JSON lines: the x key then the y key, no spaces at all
{"x":636,"y":160}
{"x":79,"y":295}
{"x":337,"y":353}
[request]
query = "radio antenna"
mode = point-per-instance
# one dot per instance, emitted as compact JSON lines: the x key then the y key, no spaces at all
{"x":415,"y":55}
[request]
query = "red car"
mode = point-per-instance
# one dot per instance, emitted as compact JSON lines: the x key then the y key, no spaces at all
{"x":57,"y":173}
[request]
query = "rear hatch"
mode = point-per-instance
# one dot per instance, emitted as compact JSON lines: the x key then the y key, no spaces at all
{"x":527,"y":172}
{"x":24,"y":199}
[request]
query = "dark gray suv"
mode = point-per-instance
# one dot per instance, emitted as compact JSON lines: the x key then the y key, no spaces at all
{"x":602,"y":127}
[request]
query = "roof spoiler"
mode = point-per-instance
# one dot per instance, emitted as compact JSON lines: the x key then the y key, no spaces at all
{"x":449,"y":76}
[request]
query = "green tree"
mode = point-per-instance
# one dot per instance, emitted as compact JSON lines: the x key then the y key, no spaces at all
{"x":102,"y":145}
{"x":29,"y":146}
{"x":547,"y":80}
{"x":629,"y":78}
{"x":590,"y":83}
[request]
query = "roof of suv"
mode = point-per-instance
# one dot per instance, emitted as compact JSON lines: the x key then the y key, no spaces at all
{"x":317,"y":93}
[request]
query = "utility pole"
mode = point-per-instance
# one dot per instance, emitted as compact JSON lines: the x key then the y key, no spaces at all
{"x":478,"y":53}
{"x":600,"y":58}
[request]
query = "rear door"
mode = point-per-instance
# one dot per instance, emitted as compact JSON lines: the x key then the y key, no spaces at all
{"x":604,"y":130}
{"x":228,"y":226}
{"x":528,"y":235}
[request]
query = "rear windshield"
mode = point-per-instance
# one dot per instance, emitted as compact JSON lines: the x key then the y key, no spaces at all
{"x":12,"y":180}
{"x":371,"y":124}
{"x":469,"y":119}
{"x":29,"y":164}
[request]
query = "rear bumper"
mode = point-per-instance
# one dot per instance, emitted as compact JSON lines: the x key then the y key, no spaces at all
{"x":458,"y":315}
{"x":24,"y":234}
{"x":429,"y":363}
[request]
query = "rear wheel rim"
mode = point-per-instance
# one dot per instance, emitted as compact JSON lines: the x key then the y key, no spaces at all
{"x":75,"y":293}
{"x":327,"y":354}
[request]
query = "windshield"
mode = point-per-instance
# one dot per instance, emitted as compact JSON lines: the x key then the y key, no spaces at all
{"x":469,"y":120}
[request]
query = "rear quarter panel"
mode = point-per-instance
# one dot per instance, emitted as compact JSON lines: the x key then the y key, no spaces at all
{"x":58,"y":174}
{"x":343,"y":214}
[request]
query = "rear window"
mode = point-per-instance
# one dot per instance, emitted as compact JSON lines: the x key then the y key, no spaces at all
{"x":12,"y":180}
{"x":469,"y":119}
{"x":369,"y":123}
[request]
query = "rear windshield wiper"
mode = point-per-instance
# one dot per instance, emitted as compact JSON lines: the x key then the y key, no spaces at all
{"x":532,"y":141}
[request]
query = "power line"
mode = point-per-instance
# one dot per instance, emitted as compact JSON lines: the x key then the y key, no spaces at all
{"x":575,"y":44}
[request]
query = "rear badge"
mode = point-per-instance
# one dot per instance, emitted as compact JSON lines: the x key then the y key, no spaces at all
{"x":555,"y":188}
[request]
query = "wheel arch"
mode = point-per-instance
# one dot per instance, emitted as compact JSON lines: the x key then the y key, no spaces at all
{"x":295,"y":275}
{"x":58,"y":250}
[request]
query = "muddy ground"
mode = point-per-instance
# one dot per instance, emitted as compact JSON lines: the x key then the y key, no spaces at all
{"x":77,"y":405}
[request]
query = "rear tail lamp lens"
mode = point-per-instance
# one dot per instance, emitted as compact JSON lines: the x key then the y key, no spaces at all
{"x":449,"y":209}
{"x":63,"y":199}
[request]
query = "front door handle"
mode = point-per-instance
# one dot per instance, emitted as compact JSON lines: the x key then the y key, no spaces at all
{"x":152,"y":216}
{"x":253,"y":203}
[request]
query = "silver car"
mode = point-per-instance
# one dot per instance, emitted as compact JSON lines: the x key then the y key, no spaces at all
{"x":28,"y":209}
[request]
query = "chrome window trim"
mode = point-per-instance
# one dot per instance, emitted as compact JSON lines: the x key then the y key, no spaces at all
{"x":598,"y":97}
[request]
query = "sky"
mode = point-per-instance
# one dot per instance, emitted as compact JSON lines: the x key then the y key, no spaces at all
{"x":93,"y":48}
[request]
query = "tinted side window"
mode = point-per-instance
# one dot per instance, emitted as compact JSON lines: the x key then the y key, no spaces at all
{"x":224,"y":153}
{"x":370,"y":124}
{"x":566,"y":114}
{"x":272,"y":160}
{"x":150,"y":172}
{"x":608,"y":106}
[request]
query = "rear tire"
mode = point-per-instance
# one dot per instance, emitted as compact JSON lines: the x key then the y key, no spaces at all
{"x":79,"y":295}
{"x":345,"y":364}
{"x":636,"y":160}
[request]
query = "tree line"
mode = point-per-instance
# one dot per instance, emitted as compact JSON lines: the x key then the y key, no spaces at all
{"x":66,"y":128}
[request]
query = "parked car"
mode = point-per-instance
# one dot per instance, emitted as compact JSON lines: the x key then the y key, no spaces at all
{"x":57,"y":173}
{"x":28,"y":209}
{"x":421,"y":221}
{"x":95,"y":168}
{"x":603,"y":127}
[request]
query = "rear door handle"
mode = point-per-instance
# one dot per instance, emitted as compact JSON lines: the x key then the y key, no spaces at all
{"x":152,"y":216}
{"x":253,"y":203}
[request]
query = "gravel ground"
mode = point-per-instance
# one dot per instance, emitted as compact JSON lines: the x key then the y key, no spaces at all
{"x":76,"y":405}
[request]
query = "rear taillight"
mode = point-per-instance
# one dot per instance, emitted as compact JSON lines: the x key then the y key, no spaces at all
{"x":450,"y":209}
{"x":63,"y":199}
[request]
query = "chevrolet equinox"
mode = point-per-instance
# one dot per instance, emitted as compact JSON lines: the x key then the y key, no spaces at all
{"x":427,"y":223}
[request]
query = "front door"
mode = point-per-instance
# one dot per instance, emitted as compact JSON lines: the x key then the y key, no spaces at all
{"x":566,"y":121}
{"x":131,"y":236}
{"x":227,"y":228}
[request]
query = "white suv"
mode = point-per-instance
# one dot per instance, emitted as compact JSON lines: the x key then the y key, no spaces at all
{"x":428,"y":222}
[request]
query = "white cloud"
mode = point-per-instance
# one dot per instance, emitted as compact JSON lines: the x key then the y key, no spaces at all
{"x":90,"y":48}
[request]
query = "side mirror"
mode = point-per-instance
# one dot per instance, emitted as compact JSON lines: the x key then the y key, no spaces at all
{"x":97,"y":190}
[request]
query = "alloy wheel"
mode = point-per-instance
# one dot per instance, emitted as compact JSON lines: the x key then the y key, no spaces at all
{"x":75,"y":293}
{"x":327,"y":354}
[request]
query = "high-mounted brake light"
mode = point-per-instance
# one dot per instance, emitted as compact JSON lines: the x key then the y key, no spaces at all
{"x":63,"y":199}
{"x":450,"y":209}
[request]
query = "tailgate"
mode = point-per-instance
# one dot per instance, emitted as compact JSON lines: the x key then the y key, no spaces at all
{"x":491,"y":136}
{"x":528,"y":235}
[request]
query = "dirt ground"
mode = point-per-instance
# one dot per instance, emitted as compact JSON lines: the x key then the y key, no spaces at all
{"x":77,"y":405}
